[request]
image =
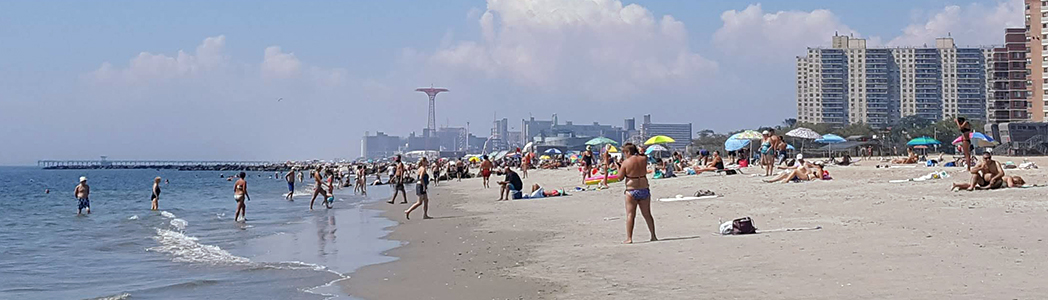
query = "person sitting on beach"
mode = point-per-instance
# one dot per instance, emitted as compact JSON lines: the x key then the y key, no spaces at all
{"x":986,"y":175}
{"x":845,"y":160}
{"x":511,"y":186}
{"x":911,"y":159}
{"x":715,"y":164}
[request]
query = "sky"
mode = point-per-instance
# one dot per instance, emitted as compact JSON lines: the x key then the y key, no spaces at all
{"x":293,"y":80}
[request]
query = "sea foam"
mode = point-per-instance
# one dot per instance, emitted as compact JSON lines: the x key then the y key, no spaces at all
{"x":185,"y":248}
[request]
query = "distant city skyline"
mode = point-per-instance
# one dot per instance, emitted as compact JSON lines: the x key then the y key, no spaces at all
{"x":276,"y":80}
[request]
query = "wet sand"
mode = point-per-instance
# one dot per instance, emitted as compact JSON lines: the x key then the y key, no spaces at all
{"x":916,"y":240}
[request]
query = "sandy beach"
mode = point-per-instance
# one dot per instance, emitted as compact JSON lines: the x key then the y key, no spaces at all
{"x":911,"y":240}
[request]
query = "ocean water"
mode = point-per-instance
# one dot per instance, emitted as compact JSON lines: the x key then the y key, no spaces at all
{"x":191,"y":248}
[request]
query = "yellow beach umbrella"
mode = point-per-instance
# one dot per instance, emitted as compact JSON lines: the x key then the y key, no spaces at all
{"x":544,"y":157}
{"x":474,"y":159}
{"x":612,"y":149}
{"x":659,"y":139}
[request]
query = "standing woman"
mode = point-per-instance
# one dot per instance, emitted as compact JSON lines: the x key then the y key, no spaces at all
{"x":966,"y":140}
{"x":422,"y":190}
{"x":635,"y":169}
{"x":156,"y":194}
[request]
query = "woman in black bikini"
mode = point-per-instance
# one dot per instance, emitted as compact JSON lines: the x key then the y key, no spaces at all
{"x":966,"y":140}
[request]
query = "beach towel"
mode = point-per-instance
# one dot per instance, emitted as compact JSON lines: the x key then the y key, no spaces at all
{"x":682,"y":198}
{"x":929,"y":176}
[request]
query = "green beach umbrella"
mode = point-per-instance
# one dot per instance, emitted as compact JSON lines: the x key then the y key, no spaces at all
{"x":601,"y":141}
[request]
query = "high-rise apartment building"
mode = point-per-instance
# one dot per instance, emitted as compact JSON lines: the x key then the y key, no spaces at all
{"x":1037,"y":45}
{"x":850,"y":83}
{"x":1008,"y":91}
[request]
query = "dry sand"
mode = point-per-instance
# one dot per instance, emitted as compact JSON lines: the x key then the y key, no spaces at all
{"x":880,"y":240}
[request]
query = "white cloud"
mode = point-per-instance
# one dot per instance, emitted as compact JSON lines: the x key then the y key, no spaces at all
{"x":597,"y":47}
{"x":277,"y":64}
{"x":756,"y":34}
{"x":975,"y":24}
{"x":149,"y":67}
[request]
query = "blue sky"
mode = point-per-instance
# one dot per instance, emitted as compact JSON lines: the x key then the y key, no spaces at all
{"x":80,"y":79}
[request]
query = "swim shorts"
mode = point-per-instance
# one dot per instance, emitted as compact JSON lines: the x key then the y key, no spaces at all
{"x":83,"y":203}
{"x":290,"y":186}
{"x":420,"y":189}
{"x":639,"y":194}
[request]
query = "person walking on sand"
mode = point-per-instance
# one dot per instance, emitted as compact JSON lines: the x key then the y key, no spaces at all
{"x":422,"y":191}
{"x":156,"y":194}
{"x":398,"y":181}
{"x":485,"y":170}
{"x":290,"y":178}
{"x":82,"y":192}
{"x":240,"y":195}
{"x":638,"y":193}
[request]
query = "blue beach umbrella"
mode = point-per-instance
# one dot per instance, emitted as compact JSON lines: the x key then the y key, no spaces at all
{"x":735,"y":144}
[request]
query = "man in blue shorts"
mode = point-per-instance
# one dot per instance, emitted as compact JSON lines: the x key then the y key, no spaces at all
{"x":82,"y":192}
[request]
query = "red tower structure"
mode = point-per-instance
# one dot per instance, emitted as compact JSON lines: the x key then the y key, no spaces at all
{"x":432,"y":92}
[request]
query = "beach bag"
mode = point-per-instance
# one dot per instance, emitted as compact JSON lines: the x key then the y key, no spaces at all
{"x":743,"y":225}
{"x":730,"y":172}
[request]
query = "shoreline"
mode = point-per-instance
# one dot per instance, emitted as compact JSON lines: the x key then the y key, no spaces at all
{"x":449,"y":256}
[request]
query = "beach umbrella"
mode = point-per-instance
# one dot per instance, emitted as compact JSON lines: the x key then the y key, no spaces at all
{"x":553,"y":151}
{"x":527,"y":147}
{"x":735,"y":144}
{"x":474,"y":159}
{"x":804,"y":133}
{"x":545,"y":157}
{"x":655,"y":148}
{"x":659,"y":139}
{"x":978,"y":139}
{"x":831,"y":139}
{"x":748,"y":135}
{"x":612,"y":149}
{"x":924,"y":141}
{"x":790,"y":147}
{"x":601,"y":141}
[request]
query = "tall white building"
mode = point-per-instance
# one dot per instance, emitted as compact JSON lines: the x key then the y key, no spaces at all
{"x":850,"y":83}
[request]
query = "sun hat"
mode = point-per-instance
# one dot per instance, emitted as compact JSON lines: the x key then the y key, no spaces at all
{"x":765,"y":132}
{"x":83,"y":178}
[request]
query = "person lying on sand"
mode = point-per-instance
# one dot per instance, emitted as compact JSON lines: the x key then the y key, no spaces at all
{"x":802,"y":172}
{"x":911,"y":159}
{"x":986,"y":175}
